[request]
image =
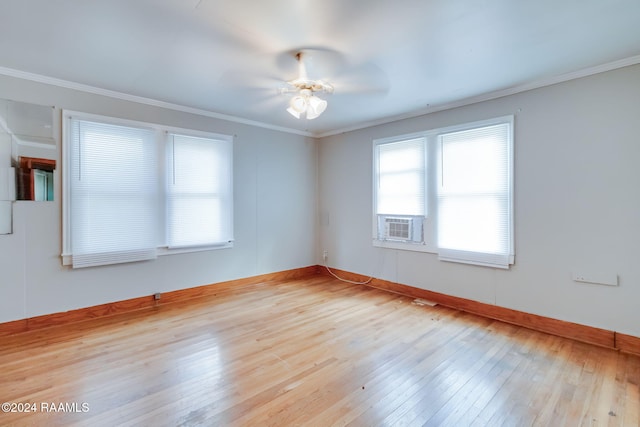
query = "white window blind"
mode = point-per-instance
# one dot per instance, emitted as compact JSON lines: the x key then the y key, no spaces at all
{"x":400,"y":168}
{"x":113,"y":193}
{"x":401,"y":178}
{"x":475,"y":196}
{"x":200,"y":193}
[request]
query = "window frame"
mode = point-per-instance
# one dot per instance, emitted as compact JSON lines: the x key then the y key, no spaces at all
{"x":162,"y":140}
{"x":169,"y":175}
{"x":432,"y":177}
{"x":426,"y":244}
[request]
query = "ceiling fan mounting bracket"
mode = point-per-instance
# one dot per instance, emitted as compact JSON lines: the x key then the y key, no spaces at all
{"x":303,"y":81}
{"x":312,"y":85}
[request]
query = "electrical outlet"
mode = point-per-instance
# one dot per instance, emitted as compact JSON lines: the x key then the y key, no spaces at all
{"x":156,"y":296}
{"x":325,"y":254}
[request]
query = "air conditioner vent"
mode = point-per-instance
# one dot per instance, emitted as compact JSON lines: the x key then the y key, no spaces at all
{"x":401,"y":228}
{"x":398,"y":228}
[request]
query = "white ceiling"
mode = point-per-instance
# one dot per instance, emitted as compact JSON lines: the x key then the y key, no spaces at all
{"x":387,"y":59}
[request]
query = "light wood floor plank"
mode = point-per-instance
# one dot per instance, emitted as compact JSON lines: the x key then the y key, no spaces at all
{"x":312,"y":352}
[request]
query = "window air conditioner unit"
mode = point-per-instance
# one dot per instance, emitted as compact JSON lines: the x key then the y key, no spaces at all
{"x":402,"y":229}
{"x":398,"y":228}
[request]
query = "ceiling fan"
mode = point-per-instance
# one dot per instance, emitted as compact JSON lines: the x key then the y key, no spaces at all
{"x":305,"y":102}
{"x":316,"y":71}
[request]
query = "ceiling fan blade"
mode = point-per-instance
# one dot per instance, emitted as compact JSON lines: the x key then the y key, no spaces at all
{"x":242,"y":79}
{"x":261,"y":24}
{"x":363,"y":78}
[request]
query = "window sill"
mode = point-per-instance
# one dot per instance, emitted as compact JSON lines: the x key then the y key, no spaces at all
{"x":403,"y":246}
{"x":184,"y":250}
{"x":67,"y":259}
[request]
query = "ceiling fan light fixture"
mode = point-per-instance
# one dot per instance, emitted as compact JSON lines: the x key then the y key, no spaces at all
{"x":304,"y":102}
{"x":311,"y":114}
{"x":293,"y":112}
{"x":317,"y":105}
{"x":298,"y":104}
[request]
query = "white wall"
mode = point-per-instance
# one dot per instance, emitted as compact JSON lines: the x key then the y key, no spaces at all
{"x":577,"y":209}
{"x":275,"y":181}
{"x":577,"y":204}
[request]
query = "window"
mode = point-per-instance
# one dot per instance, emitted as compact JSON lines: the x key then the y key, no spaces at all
{"x":468,"y":184}
{"x":474,"y":196}
{"x":132,"y":191}
{"x":35,"y":179}
{"x":400,"y":167}
{"x":199,"y":191}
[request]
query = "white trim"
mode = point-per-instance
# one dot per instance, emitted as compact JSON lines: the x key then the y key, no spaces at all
{"x":67,"y":259}
{"x":161,"y":132}
{"x":65,"y":156}
{"x":10,"y":72}
{"x":474,"y":125}
{"x":536,"y":84}
{"x":42,"y":145}
{"x":403,"y":246}
{"x":433,"y":170}
{"x":399,"y":138}
{"x":503,"y":264}
{"x":485,"y":259}
{"x":140,"y":124}
{"x":181,"y":250}
{"x":169,"y":175}
{"x":171,"y":130}
{"x":426,"y":245}
{"x":548,"y":81}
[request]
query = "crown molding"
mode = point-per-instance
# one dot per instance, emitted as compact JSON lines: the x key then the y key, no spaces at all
{"x":632,"y":60}
{"x":39,"y":78}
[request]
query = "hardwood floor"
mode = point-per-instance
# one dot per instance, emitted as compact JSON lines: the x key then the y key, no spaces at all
{"x":313,"y":352}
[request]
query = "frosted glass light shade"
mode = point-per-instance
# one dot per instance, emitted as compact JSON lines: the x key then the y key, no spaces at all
{"x":316,"y":107}
{"x":298,"y":103}
{"x":293,"y":112}
{"x":307,"y":103}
